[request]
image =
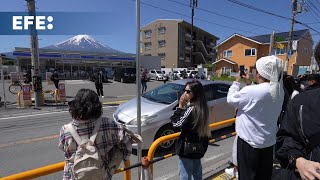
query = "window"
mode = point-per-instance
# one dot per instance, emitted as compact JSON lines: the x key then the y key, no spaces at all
{"x":147,"y":34}
{"x":276,"y":51}
{"x":147,"y":46}
{"x":162,"y":55}
{"x":162,"y":43}
{"x":208,"y":91}
{"x":161,"y":30}
{"x":147,"y":54}
{"x":227,"y":53}
{"x":250,"y":52}
{"x":221,"y":91}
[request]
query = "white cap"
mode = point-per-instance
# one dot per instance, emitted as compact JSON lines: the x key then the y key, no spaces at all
{"x":271,"y":67}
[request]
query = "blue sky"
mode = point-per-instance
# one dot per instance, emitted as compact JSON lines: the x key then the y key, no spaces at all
{"x":123,"y":37}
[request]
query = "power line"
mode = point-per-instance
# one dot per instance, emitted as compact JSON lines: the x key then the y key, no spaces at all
{"x":318,"y":2}
{"x":270,"y":13}
{"x":218,"y":14}
{"x":312,"y":10}
{"x":257,"y":9}
{"x":314,"y":6}
{"x":156,"y":7}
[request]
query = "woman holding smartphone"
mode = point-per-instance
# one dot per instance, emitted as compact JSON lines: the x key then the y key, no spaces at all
{"x":192,"y":118}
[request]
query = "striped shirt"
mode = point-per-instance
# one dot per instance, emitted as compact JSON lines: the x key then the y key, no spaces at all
{"x":108,"y":137}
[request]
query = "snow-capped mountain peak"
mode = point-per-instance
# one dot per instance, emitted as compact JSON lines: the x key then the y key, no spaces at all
{"x":82,"y":43}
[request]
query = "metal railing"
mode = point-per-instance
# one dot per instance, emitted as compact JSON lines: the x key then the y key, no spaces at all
{"x":53,"y":168}
{"x":46,"y":170}
{"x":162,"y":139}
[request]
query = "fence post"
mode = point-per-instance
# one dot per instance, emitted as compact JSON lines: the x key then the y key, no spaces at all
{"x":146,"y":172}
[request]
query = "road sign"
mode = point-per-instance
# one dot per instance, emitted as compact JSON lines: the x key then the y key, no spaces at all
{"x":62,"y":92}
{"x":290,"y":52}
{"x":26,"y":95}
{"x":280,"y":46}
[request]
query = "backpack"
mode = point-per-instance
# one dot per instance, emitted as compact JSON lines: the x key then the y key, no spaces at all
{"x":87,"y":162}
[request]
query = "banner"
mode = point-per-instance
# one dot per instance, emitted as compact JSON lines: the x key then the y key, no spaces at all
{"x":26,"y":95}
{"x":62,"y":92}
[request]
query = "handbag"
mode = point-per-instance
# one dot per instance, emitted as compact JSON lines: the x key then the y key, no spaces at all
{"x":193,"y":148}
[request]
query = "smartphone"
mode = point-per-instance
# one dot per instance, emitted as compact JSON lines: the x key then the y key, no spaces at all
{"x":242,"y":73}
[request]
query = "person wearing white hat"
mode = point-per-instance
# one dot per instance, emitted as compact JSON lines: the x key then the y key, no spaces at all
{"x":259,"y":107}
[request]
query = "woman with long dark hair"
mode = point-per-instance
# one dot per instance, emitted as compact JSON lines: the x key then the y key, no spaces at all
{"x":86,"y":112}
{"x":192,"y":117}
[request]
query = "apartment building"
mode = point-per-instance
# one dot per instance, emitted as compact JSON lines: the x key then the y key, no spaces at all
{"x":171,"y":40}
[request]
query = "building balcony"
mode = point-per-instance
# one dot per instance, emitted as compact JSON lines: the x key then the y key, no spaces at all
{"x":188,"y":35}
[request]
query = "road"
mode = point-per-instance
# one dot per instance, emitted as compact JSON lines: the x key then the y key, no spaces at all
{"x":30,"y":141}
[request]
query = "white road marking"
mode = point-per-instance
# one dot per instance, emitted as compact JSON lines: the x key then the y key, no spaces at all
{"x":77,"y":82}
{"x":213,"y":157}
{"x":39,"y":114}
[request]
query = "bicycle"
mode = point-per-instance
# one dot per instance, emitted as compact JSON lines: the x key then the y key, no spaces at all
{"x":15,"y":87}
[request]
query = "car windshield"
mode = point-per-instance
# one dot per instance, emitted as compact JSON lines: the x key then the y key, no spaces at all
{"x":159,"y":72}
{"x":130,"y":70}
{"x":166,"y":93}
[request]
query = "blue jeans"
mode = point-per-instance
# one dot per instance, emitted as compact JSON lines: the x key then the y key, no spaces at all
{"x":144,"y":86}
{"x":189,"y":168}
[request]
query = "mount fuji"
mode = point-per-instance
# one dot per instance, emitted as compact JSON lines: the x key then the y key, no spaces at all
{"x":83,"y":43}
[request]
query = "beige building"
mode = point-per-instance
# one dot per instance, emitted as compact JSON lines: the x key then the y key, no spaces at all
{"x":171,"y":40}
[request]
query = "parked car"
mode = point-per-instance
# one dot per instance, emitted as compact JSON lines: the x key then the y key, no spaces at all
{"x":158,"y":105}
{"x":157,"y":75}
{"x":124,"y":75}
{"x":194,"y":74}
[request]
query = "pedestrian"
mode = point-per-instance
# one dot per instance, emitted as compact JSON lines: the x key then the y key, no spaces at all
{"x":144,"y":79}
{"x":313,"y":81}
{"x":259,"y":106}
{"x":191,"y":117}
{"x":86,"y":112}
{"x":299,"y":153}
{"x":55,"y":78}
{"x":98,"y":82}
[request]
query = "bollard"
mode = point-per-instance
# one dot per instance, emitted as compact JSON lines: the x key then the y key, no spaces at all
{"x":56,"y":96}
{"x":146,"y":172}
{"x":19,"y":101}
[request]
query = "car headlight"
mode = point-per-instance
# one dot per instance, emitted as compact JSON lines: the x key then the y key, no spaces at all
{"x":144,"y":120}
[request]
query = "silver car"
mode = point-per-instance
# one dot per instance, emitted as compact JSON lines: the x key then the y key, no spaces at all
{"x":158,"y":105}
{"x":157,"y":75}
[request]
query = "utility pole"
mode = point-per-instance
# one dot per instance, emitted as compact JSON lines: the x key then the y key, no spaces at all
{"x":138,"y":81}
{"x":35,"y":69}
{"x":271,"y":43}
{"x":2,"y":79}
{"x":289,"y":48}
{"x":193,"y":3}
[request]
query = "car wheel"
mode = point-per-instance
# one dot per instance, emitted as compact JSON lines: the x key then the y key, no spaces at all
{"x":163,"y":131}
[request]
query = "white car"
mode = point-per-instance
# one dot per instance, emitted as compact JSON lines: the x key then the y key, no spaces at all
{"x":157,"y":75}
{"x":158,"y":105}
{"x":193,"y":72}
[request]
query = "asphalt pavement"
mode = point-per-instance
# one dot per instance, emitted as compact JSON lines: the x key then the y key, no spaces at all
{"x":113,"y":92}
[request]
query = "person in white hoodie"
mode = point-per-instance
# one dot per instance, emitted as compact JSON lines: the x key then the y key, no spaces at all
{"x":259,"y":106}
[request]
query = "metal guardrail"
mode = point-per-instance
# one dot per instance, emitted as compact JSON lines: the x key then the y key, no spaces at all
{"x":162,"y":139}
{"x":46,"y":170}
{"x":53,"y":168}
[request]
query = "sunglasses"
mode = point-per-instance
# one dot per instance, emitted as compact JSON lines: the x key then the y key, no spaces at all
{"x":188,"y":91}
